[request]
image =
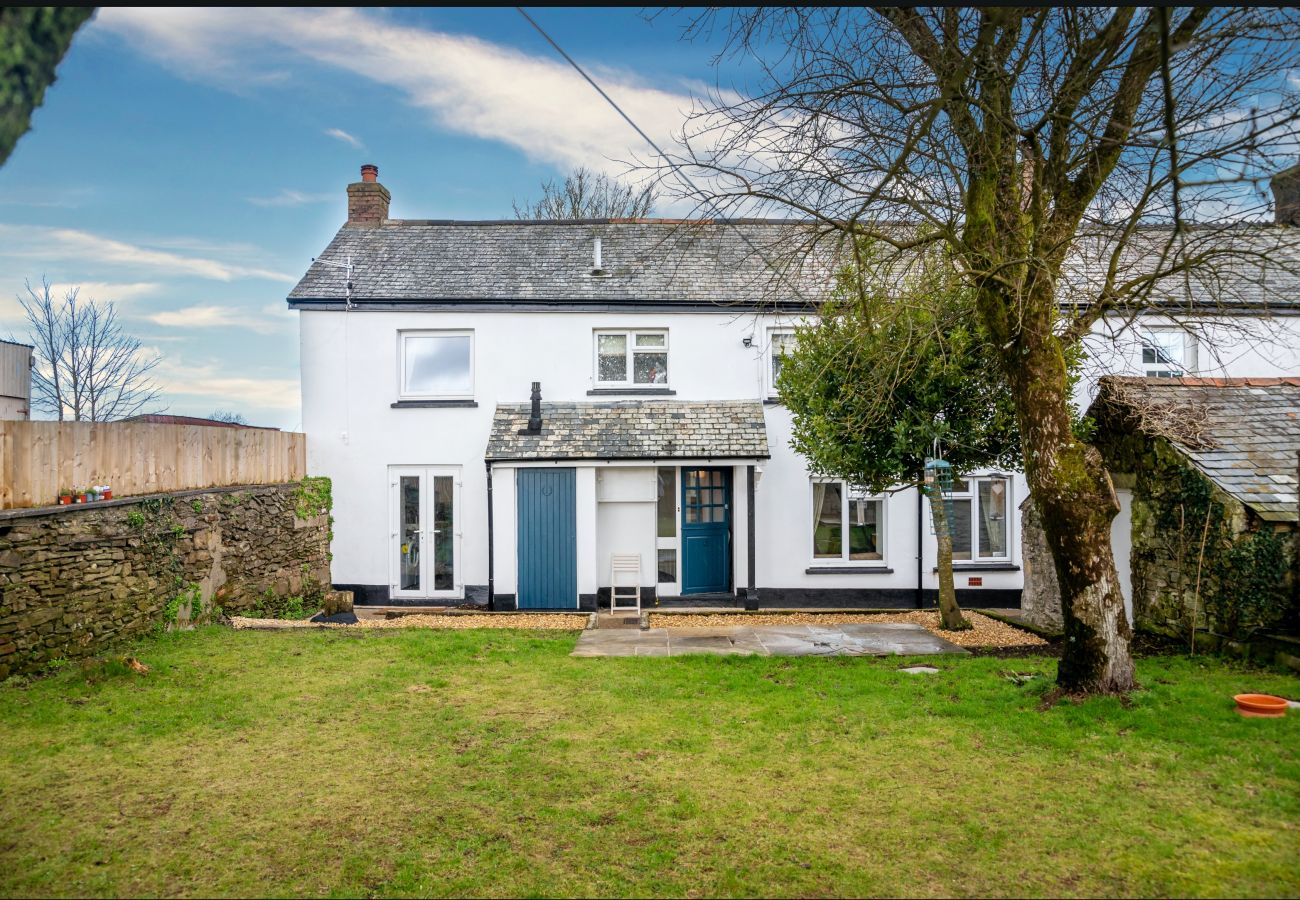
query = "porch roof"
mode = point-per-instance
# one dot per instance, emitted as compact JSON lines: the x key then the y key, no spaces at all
{"x":631,"y":429}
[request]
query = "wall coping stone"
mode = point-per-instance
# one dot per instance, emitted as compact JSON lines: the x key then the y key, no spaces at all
{"x":30,"y":512}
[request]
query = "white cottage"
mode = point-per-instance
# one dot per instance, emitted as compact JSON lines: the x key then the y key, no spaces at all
{"x":506,"y":406}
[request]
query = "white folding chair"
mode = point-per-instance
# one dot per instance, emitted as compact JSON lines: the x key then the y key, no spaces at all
{"x":625,"y":582}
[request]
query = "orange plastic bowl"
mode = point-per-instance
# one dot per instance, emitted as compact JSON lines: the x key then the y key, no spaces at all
{"x":1261,"y":705}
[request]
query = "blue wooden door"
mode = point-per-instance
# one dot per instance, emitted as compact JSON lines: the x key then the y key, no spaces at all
{"x":706,"y":531}
{"x":547,"y":539}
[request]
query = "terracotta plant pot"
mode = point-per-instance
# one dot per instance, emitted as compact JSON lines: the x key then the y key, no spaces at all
{"x":1264,"y":706}
{"x":65,"y":500}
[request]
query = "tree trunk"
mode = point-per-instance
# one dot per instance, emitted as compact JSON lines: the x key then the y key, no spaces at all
{"x":950,"y":617}
{"x":1077,"y":502}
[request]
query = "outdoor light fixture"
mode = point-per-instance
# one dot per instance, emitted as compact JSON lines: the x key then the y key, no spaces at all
{"x":748,"y":340}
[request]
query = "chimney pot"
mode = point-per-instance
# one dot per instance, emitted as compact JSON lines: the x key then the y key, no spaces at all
{"x":1286,"y":196}
{"x":367,"y":199}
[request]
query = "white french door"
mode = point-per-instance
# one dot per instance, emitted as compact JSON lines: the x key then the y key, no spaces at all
{"x":425,"y":536}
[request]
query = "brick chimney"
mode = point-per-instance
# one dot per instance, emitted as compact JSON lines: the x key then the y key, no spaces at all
{"x":1286,"y":196}
{"x":367,"y":199}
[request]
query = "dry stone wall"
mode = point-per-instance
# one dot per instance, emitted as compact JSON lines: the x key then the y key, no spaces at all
{"x":74,"y":580}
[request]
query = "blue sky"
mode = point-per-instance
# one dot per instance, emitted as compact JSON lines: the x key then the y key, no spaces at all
{"x":188,"y":164}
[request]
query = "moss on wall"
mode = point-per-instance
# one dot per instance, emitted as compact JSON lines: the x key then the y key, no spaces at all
{"x":1199,"y":555}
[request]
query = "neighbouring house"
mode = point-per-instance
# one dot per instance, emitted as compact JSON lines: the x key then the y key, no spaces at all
{"x":15,"y":380}
{"x":504,"y":406}
{"x":1206,"y":470}
{"x":166,"y":419}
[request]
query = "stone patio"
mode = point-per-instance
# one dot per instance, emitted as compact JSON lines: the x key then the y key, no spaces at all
{"x":854,"y":639}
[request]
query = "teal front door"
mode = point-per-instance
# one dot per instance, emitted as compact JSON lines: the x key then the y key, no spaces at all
{"x":706,"y":531}
{"x":547,"y":539}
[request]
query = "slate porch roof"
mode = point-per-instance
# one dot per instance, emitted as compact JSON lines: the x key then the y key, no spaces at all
{"x":632,"y":429}
{"x":1246,"y":438}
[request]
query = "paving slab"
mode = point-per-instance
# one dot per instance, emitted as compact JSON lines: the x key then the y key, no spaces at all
{"x":853,"y":639}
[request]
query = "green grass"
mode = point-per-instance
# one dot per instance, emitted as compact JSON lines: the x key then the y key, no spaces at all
{"x":491,"y":763}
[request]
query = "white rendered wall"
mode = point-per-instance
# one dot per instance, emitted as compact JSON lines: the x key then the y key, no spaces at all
{"x":349,"y":381}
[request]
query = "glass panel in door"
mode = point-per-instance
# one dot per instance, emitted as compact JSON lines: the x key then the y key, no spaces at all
{"x":408,"y":543}
{"x":444,"y":527}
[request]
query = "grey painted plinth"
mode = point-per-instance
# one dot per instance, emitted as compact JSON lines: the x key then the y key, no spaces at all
{"x":855,"y":639}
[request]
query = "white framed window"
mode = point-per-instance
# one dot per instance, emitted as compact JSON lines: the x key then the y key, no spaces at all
{"x":848,"y":524}
{"x":435,"y":365}
{"x":628,"y":357}
{"x":1167,"y":352}
{"x":981,"y":515}
{"x":780,"y":341}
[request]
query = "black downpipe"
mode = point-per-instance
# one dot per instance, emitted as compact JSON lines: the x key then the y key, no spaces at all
{"x":751,"y":595}
{"x":920,"y":548}
{"x":492,"y":587}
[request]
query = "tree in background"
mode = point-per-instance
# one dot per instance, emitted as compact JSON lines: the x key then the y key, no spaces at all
{"x":225,"y":415}
{"x":33,"y":40}
{"x":1038,"y":146}
{"x":86,"y":368}
{"x":883,"y":374}
{"x":585,"y":194}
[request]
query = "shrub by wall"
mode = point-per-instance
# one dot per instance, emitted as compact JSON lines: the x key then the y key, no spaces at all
{"x":75,"y":579}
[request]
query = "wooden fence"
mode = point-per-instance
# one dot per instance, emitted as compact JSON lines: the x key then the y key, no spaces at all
{"x":38,"y":459}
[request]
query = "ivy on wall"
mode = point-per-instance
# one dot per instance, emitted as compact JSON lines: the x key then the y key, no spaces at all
{"x":1199,"y":557}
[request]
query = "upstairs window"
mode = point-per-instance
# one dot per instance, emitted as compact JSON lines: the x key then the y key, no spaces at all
{"x":980,"y":513}
{"x":436,"y":365}
{"x":779,"y":344}
{"x":1167,"y":352}
{"x":638,"y":358}
{"x":846,"y":523}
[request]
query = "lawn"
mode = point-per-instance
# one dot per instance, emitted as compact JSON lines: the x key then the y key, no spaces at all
{"x":490,"y":763}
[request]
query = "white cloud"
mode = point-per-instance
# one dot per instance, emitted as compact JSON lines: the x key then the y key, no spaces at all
{"x":536,"y":104}
{"x":263,"y":322}
{"x":287,"y":197}
{"x":345,"y":137}
{"x":30,"y":242}
{"x":179,"y":380}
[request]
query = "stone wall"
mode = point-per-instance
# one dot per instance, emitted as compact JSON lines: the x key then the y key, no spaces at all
{"x":73,"y":580}
{"x":1040,"y":601}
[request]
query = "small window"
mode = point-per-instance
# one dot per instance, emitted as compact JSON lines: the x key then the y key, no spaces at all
{"x":779,"y":344}
{"x":1167,"y":352}
{"x":980,"y":513}
{"x":667,"y":502}
{"x":632,"y":358}
{"x":847,"y":523}
{"x":437,"y":364}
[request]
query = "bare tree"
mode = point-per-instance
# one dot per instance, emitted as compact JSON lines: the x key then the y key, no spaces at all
{"x":87,"y":368}
{"x":1079,"y":164}
{"x":585,"y":194}
{"x":225,"y":415}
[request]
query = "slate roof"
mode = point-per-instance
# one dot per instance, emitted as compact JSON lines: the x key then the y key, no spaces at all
{"x":742,"y":262}
{"x":649,"y":261}
{"x":632,"y":429}
{"x":1246,"y":437}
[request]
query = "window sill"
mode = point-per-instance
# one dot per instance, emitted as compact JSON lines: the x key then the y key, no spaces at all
{"x":644,"y":392}
{"x":982,"y":567}
{"x":848,"y":570}
{"x":434,"y":404}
